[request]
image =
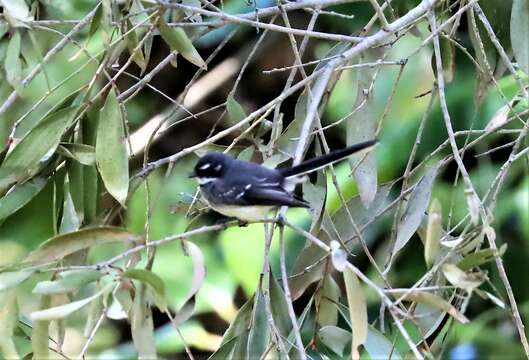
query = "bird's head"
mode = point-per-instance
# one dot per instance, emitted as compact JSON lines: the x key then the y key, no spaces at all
{"x":211,"y":167}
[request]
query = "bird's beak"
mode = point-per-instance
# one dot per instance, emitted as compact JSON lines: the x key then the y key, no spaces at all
{"x":192,"y":174}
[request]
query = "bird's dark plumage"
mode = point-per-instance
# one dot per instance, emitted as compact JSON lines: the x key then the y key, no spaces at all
{"x":248,"y":190}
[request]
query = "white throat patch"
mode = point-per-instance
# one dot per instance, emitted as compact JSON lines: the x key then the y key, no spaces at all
{"x":205,"y":180}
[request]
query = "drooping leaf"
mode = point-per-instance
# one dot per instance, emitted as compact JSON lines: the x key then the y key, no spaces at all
{"x":462,"y":279}
{"x":279,"y":308}
{"x":153,"y":281}
{"x":259,"y":333}
{"x":235,"y":110}
{"x":199,"y":267}
{"x":448,"y":57}
{"x":330,"y":296}
{"x":16,"y":9}
{"x":380,"y":347}
{"x":41,"y":140}
{"x":62,"y":311}
{"x":70,"y":221}
{"x":20,"y":196}
{"x":240,"y":324}
{"x":9,"y":321}
{"x":361,"y":126}
{"x":437,"y":302}
{"x":132,"y":45}
{"x":12,"y":63}
{"x":11,"y":279}
{"x":90,"y":178}
{"x":178,"y":41}
{"x":59,"y":246}
{"x":434,"y":229}
{"x":142,"y":327}
{"x":94,"y":313}
{"x":477,"y":258}
{"x":40,"y":334}
{"x":334,"y":338}
{"x":316,"y":194}
{"x":199,"y":275}
{"x":84,"y":154}
{"x":485,"y":55}
{"x":519,"y":31}
{"x":357,"y":311}
{"x":288,"y":141}
{"x":111,"y":150}
{"x":415,"y":211}
{"x":341,"y":227}
{"x":68,"y":282}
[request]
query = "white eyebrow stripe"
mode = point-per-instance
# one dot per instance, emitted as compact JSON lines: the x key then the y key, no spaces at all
{"x":205,"y":166}
{"x":205,"y":180}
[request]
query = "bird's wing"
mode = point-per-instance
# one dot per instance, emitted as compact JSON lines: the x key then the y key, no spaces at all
{"x":269,"y":195}
{"x":246,"y":194}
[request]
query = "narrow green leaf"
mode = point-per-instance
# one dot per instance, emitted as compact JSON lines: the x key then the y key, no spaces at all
{"x":177,"y":40}
{"x":259,"y":333}
{"x":62,"y":311}
{"x":361,"y":126}
{"x":154,"y":281}
{"x":94,"y":313}
{"x":330,"y":296}
{"x":432,"y":244}
{"x":20,"y":196}
{"x":70,"y":221}
{"x":199,"y":275}
{"x":59,"y":246}
{"x":279,"y":308}
{"x":199,"y":267}
{"x":437,"y":302}
{"x":448,"y":58}
{"x":111,"y":150}
{"x":334,"y":338}
{"x":12,"y":63}
{"x":40,"y":334}
{"x":90,"y":177}
{"x":519,"y":31}
{"x":357,"y":311}
{"x":240,"y":324}
{"x":415,"y":211}
{"x":96,"y":20}
{"x":84,"y":154}
{"x":132,"y":43}
{"x":39,"y":141}
{"x":235,"y":110}
{"x":11,"y":279}
{"x":288,"y":141}
{"x":224,"y":351}
{"x":476,"y":259}
{"x":17,"y":9}
{"x":68,"y":282}
{"x":380,"y":347}
{"x":142,"y":327}
{"x":461,"y":279}
{"x":9,"y":321}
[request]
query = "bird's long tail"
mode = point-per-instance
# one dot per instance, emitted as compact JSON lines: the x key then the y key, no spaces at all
{"x":318,"y":162}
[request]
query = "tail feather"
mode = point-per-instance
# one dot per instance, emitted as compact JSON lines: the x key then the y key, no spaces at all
{"x":324,"y":160}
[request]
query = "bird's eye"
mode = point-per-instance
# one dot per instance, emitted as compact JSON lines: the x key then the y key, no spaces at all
{"x":218,"y":167}
{"x":205,"y":166}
